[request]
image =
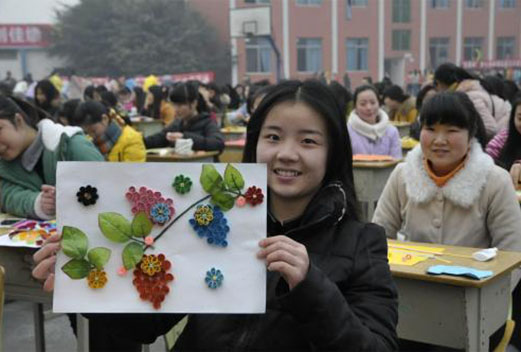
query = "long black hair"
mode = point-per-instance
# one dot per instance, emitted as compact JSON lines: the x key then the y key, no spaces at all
{"x":512,"y":149}
{"x":456,"y":109}
{"x":51,"y":93}
{"x":10,"y":106}
{"x":188,"y":93}
{"x":319,"y":98}
{"x":159,"y":93}
{"x":89,"y":113}
{"x":448,"y":73}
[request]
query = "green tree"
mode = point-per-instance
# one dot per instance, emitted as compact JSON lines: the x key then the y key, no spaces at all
{"x":132,"y":37}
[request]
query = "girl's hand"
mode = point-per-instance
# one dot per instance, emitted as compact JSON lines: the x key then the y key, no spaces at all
{"x":48,"y":199}
{"x":45,"y":260}
{"x":515,"y":173}
{"x":286,"y":256}
{"x":173,"y":136}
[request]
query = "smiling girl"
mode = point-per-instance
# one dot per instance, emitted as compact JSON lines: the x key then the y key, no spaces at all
{"x":329,"y":286}
{"x":369,"y":127}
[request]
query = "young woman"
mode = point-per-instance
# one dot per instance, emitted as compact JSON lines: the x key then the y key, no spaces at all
{"x":401,"y":107}
{"x":115,"y":142}
{"x":369,"y":127}
{"x":47,"y":97}
{"x":157,"y":105}
{"x":329,"y":286}
{"x":192,"y":122}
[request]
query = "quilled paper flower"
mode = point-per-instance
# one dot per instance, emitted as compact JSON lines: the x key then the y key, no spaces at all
{"x":122,"y":271}
{"x":216,"y":230}
{"x":254,"y":196}
{"x":150,"y":264}
{"x":203,"y":215}
{"x":149,"y":240}
{"x":240,"y":201}
{"x":144,"y":199}
{"x":182,"y":184}
{"x":153,"y":288}
{"x":97,"y":278}
{"x":214,"y":278}
{"x":87,"y":195}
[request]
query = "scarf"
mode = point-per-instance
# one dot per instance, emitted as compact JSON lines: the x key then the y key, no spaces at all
{"x":106,"y":142}
{"x":373,"y":132}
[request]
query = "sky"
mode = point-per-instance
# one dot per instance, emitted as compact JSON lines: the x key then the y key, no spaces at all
{"x":30,"y":11}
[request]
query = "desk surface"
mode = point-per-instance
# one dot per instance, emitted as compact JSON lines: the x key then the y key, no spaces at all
{"x":503,"y":262}
{"x":233,"y":130}
{"x":374,"y":164}
{"x":400,"y":123}
{"x":167,"y":154}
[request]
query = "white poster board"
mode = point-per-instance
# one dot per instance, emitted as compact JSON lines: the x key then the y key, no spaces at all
{"x":243,"y":288}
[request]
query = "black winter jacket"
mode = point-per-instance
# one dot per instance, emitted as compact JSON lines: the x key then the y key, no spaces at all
{"x":201,"y":129}
{"x":347,"y":301}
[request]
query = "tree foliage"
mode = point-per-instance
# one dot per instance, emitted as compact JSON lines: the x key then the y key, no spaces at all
{"x":137,"y":37}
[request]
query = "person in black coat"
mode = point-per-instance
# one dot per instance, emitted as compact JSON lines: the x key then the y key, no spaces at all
{"x":329,"y":285}
{"x":192,"y":122}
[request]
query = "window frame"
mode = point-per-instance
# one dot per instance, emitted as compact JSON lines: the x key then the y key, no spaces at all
{"x":361,"y":44}
{"x":400,"y":39}
{"x":446,"y":46}
{"x":500,"y":42}
{"x":260,"y":47}
{"x":306,"y":47}
{"x":398,"y":11}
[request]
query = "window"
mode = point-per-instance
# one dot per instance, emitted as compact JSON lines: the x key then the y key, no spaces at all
{"x":309,"y":2}
{"x":401,"y":11}
{"x":472,"y":48}
{"x":507,"y":4}
{"x":439,"y":4}
{"x":439,"y":51}
{"x":402,"y":39}
{"x":258,"y":55}
{"x":357,"y":53}
{"x":309,"y":54}
{"x":505,"y":47}
{"x":358,"y":3}
{"x":474,"y":4}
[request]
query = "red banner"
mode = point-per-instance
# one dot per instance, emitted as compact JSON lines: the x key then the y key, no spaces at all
{"x":510,"y":63}
{"x":24,"y":35}
{"x":204,"y":77}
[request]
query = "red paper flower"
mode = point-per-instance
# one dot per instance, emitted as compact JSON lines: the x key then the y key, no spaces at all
{"x":254,"y":196}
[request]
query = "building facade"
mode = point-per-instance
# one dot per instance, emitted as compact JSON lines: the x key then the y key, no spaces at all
{"x":371,"y":38}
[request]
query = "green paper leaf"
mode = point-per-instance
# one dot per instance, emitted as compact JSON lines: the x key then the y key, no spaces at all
{"x":99,"y":256}
{"x":132,"y":254}
{"x":141,"y":225}
{"x":115,"y":227}
{"x":74,"y":242}
{"x":77,"y":269}
{"x":224,"y":200}
{"x":233,"y":178}
{"x":211,"y":180}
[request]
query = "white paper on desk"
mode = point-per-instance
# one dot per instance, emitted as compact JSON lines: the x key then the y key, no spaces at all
{"x":244,"y":285}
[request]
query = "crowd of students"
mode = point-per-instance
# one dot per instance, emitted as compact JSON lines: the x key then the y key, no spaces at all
{"x":329,"y":284}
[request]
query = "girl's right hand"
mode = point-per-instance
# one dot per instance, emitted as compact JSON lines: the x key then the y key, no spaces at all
{"x":45,"y":260}
{"x":515,"y":173}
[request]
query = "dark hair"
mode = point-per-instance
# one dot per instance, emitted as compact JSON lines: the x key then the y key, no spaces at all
{"x":10,"y":106}
{"x":159,"y":93}
{"x":100,"y":89}
{"x":448,"y":73}
{"x":396,"y":93}
{"x":422,"y":94}
{"x":187,"y":93}
{"x":49,"y":90}
{"x":456,"y":109}
{"x":124,"y":90}
{"x":109,"y":99}
{"x":88,"y":93}
{"x":342,"y":96}
{"x":89,"y":113}
{"x":319,"y":98}
{"x":363,"y":88}
{"x":495,"y":84}
{"x":510,"y":89}
{"x":255,"y":92}
{"x":68,"y":109}
{"x":140,"y":98}
{"x":511,"y":151}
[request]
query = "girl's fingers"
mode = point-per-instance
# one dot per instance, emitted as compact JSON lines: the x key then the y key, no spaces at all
{"x":280,"y":245}
{"x":48,"y":285}
{"x":283,"y":256}
{"x":43,"y":269}
{"x":48,"y":250}
{"x":270,"y":240}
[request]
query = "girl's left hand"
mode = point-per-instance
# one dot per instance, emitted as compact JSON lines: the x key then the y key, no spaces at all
{"x":286,"y":256}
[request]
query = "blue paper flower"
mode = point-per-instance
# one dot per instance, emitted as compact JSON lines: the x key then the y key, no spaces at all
{"x":214,"y":278}
{"x":216,"y":230}
{"x":160,"y":213}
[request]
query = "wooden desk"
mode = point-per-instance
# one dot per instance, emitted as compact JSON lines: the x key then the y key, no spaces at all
{"x":452,"y":311}
{"x":147,"y":125}
{"x":168,"y":155}
{"x":233,"y":151}
{"x":233,"y":133}
{"x":403,"y":128}
{"x":370,"y":179}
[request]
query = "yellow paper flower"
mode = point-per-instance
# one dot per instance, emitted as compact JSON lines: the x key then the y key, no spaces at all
{"x":150,"y":264}
{"x":203,"y":215}
{"x":97,"y":278}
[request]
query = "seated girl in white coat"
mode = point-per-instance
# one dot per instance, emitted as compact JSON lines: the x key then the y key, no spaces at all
{"x":448,"y":190}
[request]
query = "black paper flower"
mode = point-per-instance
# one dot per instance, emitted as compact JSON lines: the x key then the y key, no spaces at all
{"x":87,"y":195}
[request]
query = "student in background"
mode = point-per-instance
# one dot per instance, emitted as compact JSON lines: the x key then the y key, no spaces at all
{"x":47,"y":97}
{"x":343,"y":97}
{"x":369,"y":127}
{"x":329,"y":286}
{"x":157,"y":105}
{"x":401,"y":107}
{"x":425,"y":93}
{"x":66,"y":113}
{"x":116,"y":143}
{"x":192,"y":122}
{"x":110,"y":100}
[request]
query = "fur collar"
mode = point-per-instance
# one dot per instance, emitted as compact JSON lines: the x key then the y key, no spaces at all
{"x":372,"y":132}
{"x":52,"y":132}
{"x":463,"y":189}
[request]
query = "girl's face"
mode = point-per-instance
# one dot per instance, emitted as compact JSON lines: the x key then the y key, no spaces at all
{"x":13,"y":140}
{"x":391,"y":104}
{"x":96,"y":130}
{"x":517,"y":119}
{"x":367,"y":106}
{"x":444,"y":146}
{"x":293,"y":142}
{"x":40,"y":97}
{"x":185,"y":111}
